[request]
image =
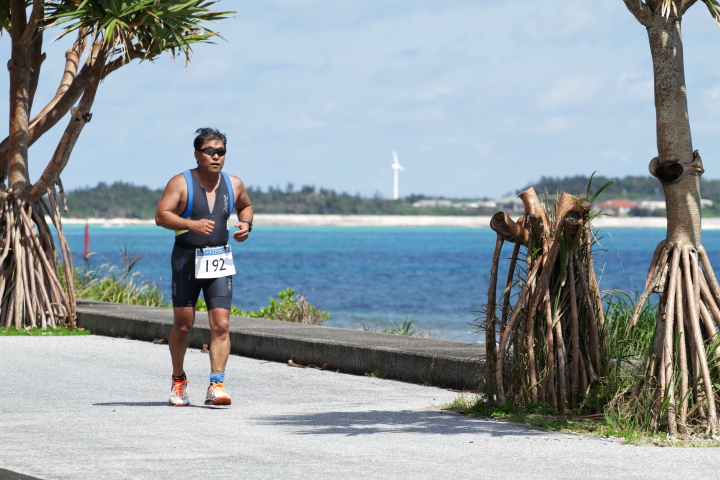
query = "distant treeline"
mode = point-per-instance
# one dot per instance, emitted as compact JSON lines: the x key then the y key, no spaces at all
{"x":119,"y":200}
{"x":125,"y":200}
{"x":630,"y":187}
{"x":309,"y":200}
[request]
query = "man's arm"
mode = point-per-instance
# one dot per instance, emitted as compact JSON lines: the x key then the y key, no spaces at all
{"x":171,"y":206}
{"x":244,"y":209}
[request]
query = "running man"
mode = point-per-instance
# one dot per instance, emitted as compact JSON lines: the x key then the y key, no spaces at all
{"x":197,"y":204}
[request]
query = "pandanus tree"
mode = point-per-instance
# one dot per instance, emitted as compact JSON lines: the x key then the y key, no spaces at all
{"x":545,"y":339}
{"x":682,"y":370}
{"x":105,"y":35}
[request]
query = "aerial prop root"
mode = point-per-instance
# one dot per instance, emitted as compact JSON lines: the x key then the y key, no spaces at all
{"x":31,"y":294}
{"x":684,"y":363}
{"x":546,"y":336}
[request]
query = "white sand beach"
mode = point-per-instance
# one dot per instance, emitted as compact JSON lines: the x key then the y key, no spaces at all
{"x":398,"y":221}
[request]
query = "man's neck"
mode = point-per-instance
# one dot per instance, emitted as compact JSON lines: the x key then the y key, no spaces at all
{"x":208,"y":180}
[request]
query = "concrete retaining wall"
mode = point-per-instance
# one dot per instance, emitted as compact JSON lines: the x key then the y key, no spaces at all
{"x":442,"y":363}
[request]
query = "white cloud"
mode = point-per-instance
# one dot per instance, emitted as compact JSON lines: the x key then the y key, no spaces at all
{"x":574,"y":91}
{"x":303,"y":123}
{"x":429,"y":94}
{"x":554,"y":125}
{"x":330,"y":107}
{"x":639,"y":86}
{"x":398,"y":116}
{"x":551,"y":22}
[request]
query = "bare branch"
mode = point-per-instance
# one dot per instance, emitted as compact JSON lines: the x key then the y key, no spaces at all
{"x":36,"y":60}
{"x":642,"y":12}
{"x":70,"y":90}
{"x":35,"y":16}
{"x":80,"y":116}
{"x":19,"y":19}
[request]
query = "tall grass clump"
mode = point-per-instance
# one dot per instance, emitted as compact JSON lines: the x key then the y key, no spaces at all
{"x":117,"y":284}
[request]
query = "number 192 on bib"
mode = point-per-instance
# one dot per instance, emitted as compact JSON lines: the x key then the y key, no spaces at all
{"x":214,"y":262}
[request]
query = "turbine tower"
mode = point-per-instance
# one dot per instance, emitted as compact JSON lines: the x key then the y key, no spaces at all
{"x":396,"y":167}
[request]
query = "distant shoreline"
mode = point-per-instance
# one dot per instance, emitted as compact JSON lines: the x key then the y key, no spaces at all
{"x":398,"y":221}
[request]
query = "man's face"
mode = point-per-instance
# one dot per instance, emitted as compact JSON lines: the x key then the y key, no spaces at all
{"x":212,"y":163}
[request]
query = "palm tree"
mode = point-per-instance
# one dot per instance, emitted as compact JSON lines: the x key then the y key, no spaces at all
{"x":108,"y":34}
{"x":682,"y":369}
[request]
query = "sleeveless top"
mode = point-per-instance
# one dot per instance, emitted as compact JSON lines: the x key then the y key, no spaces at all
{"x":197,"y":209}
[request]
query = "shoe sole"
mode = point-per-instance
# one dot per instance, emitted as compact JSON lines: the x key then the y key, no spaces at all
{"x":220,"y":401}
{"x":179,"y":404}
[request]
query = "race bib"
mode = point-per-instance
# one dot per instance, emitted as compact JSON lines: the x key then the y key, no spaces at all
{"x":214,"y":262}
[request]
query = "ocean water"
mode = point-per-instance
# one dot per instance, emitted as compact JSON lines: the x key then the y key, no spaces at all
{"x":372,"y":276}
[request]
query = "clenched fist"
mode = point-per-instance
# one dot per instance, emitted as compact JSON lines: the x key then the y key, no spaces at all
{"x":203,"y":227}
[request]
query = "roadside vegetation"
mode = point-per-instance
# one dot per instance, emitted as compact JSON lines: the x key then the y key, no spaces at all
{"x":606,"y":410}
{"x":119,"y":284}
{"x":407,"y":328}
{"x":38,"y":332}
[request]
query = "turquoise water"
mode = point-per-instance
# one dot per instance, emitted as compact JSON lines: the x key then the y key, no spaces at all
{"x":372,"y":275}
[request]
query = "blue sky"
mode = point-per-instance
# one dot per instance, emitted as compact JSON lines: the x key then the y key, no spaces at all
{"x":478,"y":98}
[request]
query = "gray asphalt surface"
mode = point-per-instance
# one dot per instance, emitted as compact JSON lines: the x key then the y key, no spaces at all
{"x":95,"y":408}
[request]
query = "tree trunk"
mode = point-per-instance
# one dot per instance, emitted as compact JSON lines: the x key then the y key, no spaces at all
{"x":19,"y":67}
{"x":674,"y":142}
{"x":680,"y":272}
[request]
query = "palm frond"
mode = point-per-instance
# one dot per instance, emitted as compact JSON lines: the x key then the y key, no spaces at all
{"x":714,"y":8}
{"x":149,"y":27}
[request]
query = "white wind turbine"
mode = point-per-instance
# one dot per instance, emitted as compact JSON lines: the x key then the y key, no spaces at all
{"x":396,"y":167}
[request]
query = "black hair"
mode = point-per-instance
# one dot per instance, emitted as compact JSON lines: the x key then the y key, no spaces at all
{"x":205,"y":134}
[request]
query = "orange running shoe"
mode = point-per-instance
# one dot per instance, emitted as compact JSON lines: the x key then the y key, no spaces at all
{"x":216,"y":395}
{"x":178,"y":397}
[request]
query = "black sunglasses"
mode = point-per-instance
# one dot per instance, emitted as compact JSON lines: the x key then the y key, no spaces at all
{"x":212,"y":151}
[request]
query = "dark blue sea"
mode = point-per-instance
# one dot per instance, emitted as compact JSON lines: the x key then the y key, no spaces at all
{"x":372,"y":276}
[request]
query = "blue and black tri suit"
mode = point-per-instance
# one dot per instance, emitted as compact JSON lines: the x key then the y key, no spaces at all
{"x":185,"y":287}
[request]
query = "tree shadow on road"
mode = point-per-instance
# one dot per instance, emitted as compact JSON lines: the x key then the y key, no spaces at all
{"x":404,"y":421}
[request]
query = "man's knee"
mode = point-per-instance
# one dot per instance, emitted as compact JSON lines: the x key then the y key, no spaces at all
{"x":184,"y":318}
{"x":219,"y":321}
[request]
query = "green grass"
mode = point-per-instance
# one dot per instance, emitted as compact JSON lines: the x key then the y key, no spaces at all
{"x":407,"y":328}
{"x":110,"y":283}
{"x":289,"y":307}
{"x":598,"y":414}
{"x":37,"y":332}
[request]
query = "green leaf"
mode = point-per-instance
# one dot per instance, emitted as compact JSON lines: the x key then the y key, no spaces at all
{"x":599,"y":191}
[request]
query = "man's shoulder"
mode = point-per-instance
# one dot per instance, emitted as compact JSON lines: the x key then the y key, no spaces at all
{"x":235,"y":180}
{"x":177,"y":181}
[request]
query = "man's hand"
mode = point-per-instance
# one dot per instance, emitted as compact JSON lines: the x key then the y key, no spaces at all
{"x":242,"y":234}
{"x":203,"y":227}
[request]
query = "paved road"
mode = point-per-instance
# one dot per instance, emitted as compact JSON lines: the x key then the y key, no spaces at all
{"x":95,"y":408}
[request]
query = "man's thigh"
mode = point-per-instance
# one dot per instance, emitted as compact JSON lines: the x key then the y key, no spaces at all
{"x":218,"y":293}
{"x":185,"y":288}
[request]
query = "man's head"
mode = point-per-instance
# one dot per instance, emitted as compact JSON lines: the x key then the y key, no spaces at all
{"x":205,"y":134}
{"x":210,"y":149}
